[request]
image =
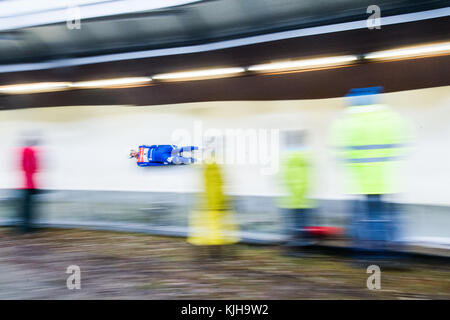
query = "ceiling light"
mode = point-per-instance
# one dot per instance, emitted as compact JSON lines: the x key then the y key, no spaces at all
{"x":33,"y":87}
{"x":411,"y":52}
{"x":198,"y":74}
{"x":303,"y":64}
{"x":105,"y":83}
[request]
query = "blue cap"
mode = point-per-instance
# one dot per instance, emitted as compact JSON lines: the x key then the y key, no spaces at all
{"x":363,"y":96}
{"x":364,"y":91}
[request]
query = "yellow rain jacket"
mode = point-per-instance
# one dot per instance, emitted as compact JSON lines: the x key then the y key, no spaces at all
{"x":213,"y":221}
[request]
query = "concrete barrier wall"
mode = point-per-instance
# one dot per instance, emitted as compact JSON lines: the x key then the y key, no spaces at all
{"x":167,"y":214}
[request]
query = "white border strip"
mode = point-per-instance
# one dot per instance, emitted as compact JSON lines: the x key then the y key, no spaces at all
{"x":409,"y":17}
{"x":32,"y":13}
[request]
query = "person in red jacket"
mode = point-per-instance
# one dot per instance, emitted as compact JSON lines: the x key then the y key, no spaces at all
{"x":29,"y":167}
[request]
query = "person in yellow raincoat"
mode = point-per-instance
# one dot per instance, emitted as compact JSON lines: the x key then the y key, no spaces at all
{"x":212,"y":221}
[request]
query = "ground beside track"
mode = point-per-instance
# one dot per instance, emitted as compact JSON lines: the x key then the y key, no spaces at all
{"x":134,"y":266}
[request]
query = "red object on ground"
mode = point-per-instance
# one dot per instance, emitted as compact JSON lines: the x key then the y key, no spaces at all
{"x":29,"y":167}
{"x":322,"y":231}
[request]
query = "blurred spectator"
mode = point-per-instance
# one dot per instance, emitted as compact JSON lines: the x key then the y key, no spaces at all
{"x":212,"y":223}
{"x":296,"y":178}
{"x":370,"y":140}
{"x":29,"y":167}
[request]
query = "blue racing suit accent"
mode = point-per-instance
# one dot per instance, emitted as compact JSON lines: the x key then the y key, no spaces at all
{"x":160,"y":155}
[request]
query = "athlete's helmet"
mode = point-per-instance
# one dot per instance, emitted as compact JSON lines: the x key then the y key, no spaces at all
{"x":133,"y":153}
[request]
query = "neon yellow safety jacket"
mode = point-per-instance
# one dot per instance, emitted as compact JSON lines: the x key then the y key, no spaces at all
{"x":295,"y":174}
{"x":370,"y":140}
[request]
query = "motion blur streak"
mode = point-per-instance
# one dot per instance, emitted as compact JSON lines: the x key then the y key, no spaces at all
{"x":304,"y":32}
{"x":50,"y":11}
{"x":304,"y":64}
{"x":198,"y":74}
{"x":105,"y":83}
{"x":411,"y":52}
{"x":33,"y":87}
{"x":148,"y":146}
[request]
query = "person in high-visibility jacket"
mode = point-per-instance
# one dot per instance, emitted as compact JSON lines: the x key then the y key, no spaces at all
{"x":296,"y":179}
{"x":370,"y":140}
{"x":212,"y":222}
